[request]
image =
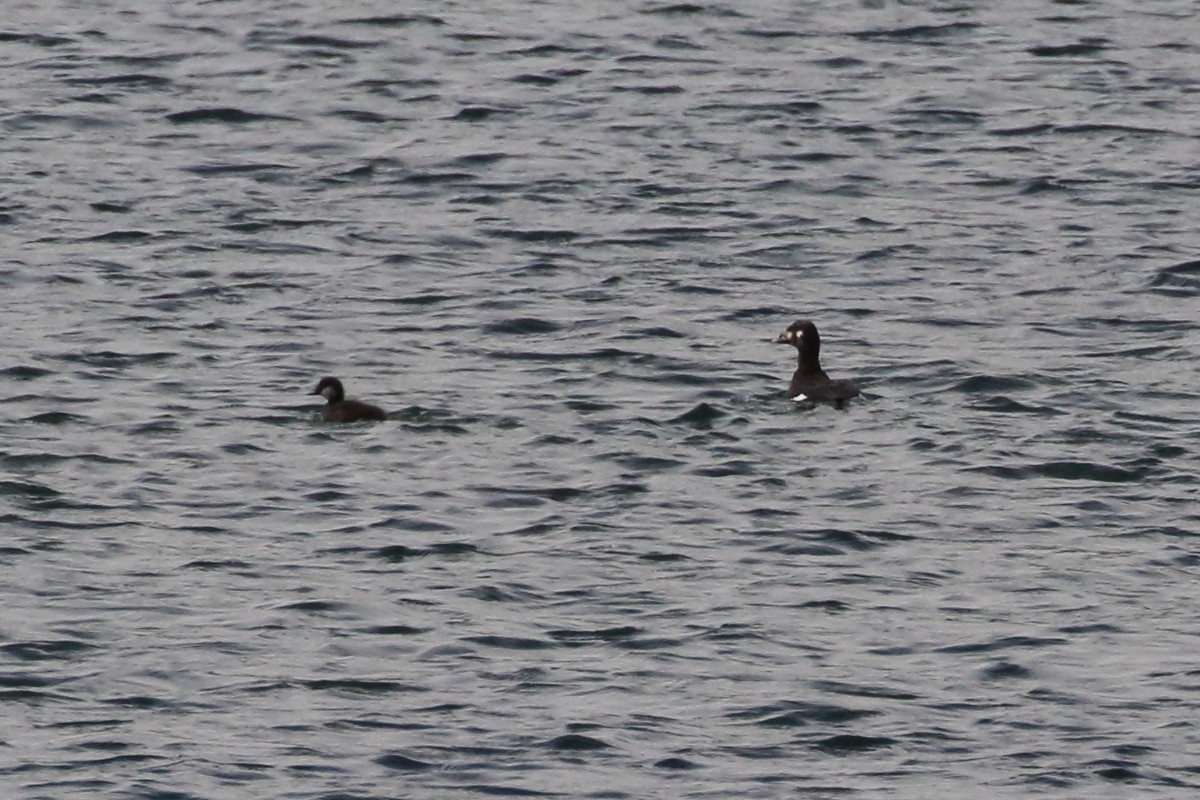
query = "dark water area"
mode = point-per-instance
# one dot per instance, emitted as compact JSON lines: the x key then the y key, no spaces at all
{"x":595,"y":552}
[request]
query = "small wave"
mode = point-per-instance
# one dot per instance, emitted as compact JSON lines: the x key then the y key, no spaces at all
{"x":931,"y":34}
{"x":136,"y":79}
{"x":1068,"y":471}
{"x":315,"y":606}
{"x":46,"y":650}
{"x":120,"y":236}
{"x":853,"y":743}
{"x":231,"y":116}
{"x":677,"y":8}
{"x":395,"y":630}
{"x":536,"y":236}
{"x":55,"y":418}
{"x":395,"y":20}
{"x":397,"y":553}
{"x":208,"y":170}
{"x":1085,"y":47}
{"x":360,"y":686}
{"x":726,"y":469}
{"x":36,"y":39}
{"x":702,"y":416}
{"x":1006,"y":405}
{"x":522,"y":326}
{"x":576,"y":742}
{"x":798,"y":713}
{"x":478,"y":113}
{"x":993,"y":383}
{"x":403,"y":763}
{"x":27,"y":489}
{"x":1003,"y":643}
{"x":329,"y":42}
{"x":24,"y":372}
{"x":1005,"y":670}
{"x":507,"y":791}
{"x":581,"y":636}
{"x":509,"y":642}
{"x":110,"y":208}
{"x":1179,"y":280}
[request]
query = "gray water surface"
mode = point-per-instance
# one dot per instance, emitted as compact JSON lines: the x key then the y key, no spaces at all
{"x":595,"y":552}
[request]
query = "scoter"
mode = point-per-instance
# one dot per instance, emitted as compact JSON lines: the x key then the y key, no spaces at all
{"x":809,"y":383}
{"x":339,"y":409}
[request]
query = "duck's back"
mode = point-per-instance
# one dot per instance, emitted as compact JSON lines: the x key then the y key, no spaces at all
{"x":352,"y":411}
{"x":818,"y":388}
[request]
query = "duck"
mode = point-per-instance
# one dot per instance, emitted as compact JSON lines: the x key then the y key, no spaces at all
{"x":339,"y":409}
{"x":809,"y":383}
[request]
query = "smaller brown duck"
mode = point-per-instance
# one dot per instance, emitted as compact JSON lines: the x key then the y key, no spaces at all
{"x":809,"y":383}
{"x":339,"y":409}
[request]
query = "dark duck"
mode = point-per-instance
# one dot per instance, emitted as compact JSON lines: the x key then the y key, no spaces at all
{"x":810,"y":384}
{"x":339,"y":409}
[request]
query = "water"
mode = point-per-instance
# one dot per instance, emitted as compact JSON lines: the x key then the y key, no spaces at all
{"x":595,"y":553}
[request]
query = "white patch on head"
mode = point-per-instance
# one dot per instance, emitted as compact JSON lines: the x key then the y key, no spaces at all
{"x":327,"y":392}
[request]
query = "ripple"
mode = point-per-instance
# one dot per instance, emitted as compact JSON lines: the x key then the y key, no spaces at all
{"x":402,"y":763}
{"x":230,"y":116}
{"x":596,"y":554}
{"x":46,"y":650}
{"x":701,"y":417}
{"x":576,"y":742}
{"x":796,"y":714}
{"x":853,"y":743}
{"x":509,"y":642}
{"x":24,"y":372}
{"x":1070,"y":471}
{"x":522,"y":326}
{"x":360,"y":686}
{"x":1086,"y":47}
{"x":1179,"y":280}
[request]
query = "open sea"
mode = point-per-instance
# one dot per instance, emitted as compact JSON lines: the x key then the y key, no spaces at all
{"x":595,"y":552}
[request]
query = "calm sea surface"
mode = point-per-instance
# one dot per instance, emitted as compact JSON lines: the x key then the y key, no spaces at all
{"x":595,"y":552}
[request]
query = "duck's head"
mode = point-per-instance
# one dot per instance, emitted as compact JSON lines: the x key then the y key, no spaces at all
{"x":802,"y":335}
{"x":331,"y":389}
